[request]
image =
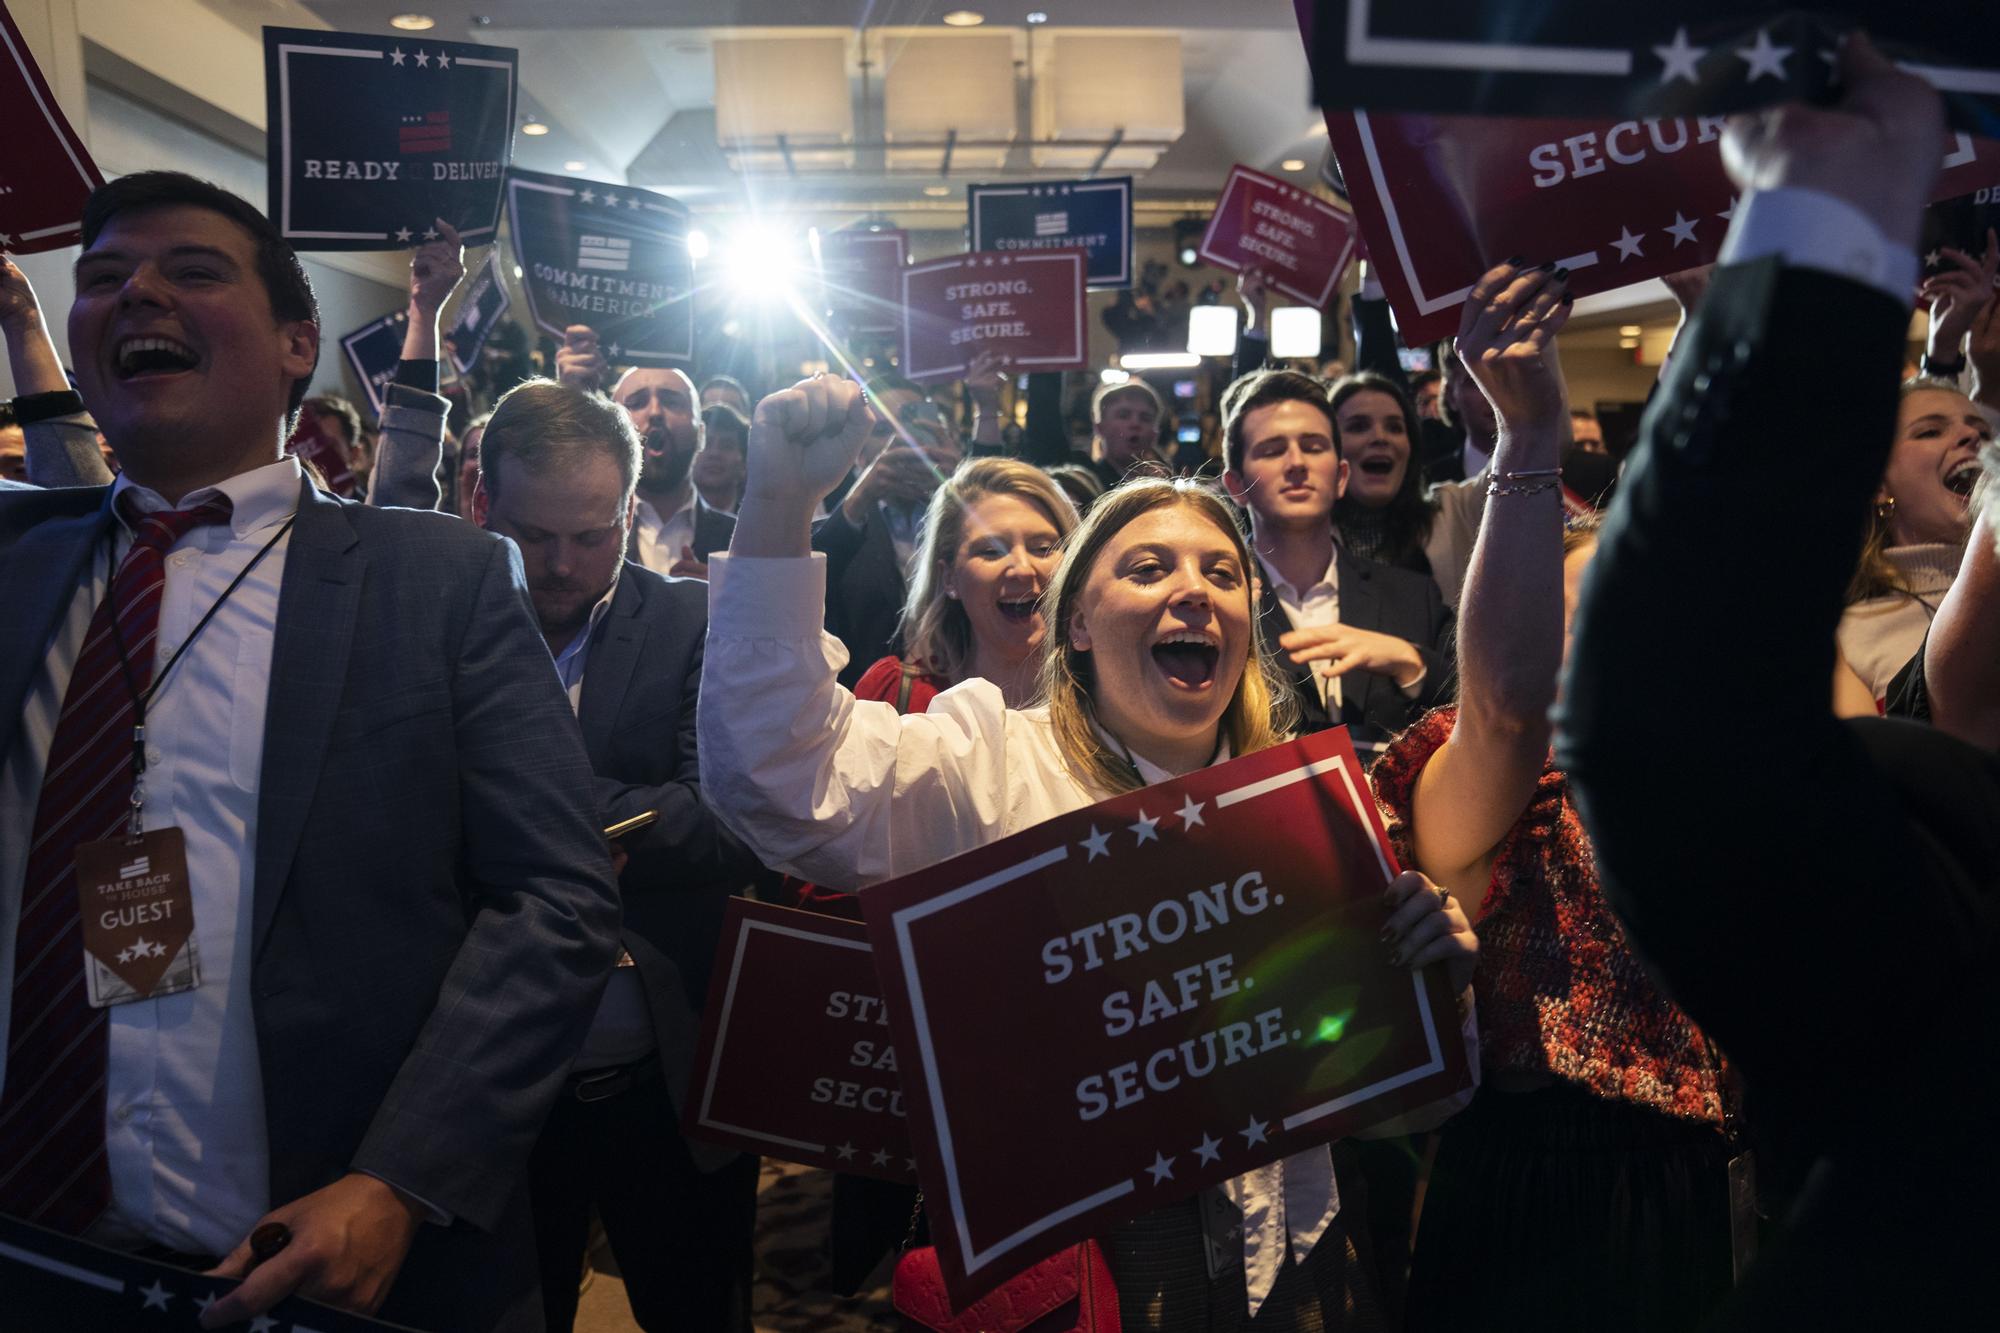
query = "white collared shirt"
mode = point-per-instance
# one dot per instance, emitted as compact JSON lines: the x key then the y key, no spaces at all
{"x":571,"y":661}
{"x":184,"y":1102}
{"x":1315,"y":606}
{"x":657,"y":540}
{"x":841,"y":791}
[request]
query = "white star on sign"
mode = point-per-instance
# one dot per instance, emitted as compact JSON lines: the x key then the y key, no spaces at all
{"x":1931,"y":258}
{"x":1764,"y":58}
{"x":159,"y":950}
{"x":141,"y":947}
{"x":423,"y":61}
{"x":1209,"y":1150}
{"x":402,"y":233}
{"x":156,"y":1296}
{"x":633,"y":202}
{"x":845,"y":1151}
{"x":1146,"y":829}
{"x":1729,"y":212}
{"x":430,"y":233}
{"x":588,"y":196}
{"x":616,"y":350}
{"x":444,"y":60}
{"x":396,"y":56}
{"x":1627,"y":243}
{"x":263,"y":1323}
{"x":910,"y":1163}
{"x":610,"y":199}
{"x":880,"y":1157}
{"x":202,"y":1303}
{"x":1682,"y":229}
{"x":1255,"y":1134}
{"x":124,"y":955}
{"x":1190,"y":813}
{"x":1098,"y":843}
{"x":1680,"y":58}
{"x":1162,"y":1168}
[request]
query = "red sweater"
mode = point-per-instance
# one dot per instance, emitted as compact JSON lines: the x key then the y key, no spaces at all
{"x":1560,"y":991}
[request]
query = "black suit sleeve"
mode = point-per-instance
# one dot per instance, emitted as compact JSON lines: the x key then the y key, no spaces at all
{"x":1375,"y":341}
{"x":1790,"y":903}
{"x":1439,"y":653}
{"x":1045,"y":443}
{"x":686,"y":847}
{"x":1253,"y":350}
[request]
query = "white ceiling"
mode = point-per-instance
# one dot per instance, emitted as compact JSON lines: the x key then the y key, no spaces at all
{"x":628,"y":88}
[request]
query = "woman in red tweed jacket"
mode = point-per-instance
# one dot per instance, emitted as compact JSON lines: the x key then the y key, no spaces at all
{"x":1587,"y":1185}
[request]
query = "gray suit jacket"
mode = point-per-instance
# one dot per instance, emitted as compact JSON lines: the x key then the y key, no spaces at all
{"x":433,"y":913}
{"x":638,"y":716}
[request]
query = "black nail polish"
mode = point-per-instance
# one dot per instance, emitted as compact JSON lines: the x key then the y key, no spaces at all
{"x":1516,"y":260}
{"x":1547,"y":265}
{"x":1561,"y":274}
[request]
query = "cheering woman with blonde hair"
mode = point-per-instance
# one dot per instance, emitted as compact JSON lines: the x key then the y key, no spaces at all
{"x":1151,"y":670}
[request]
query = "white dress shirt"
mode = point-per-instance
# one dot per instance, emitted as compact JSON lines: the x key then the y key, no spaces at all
{"x":841,"y":791}
{"x":1810,"y":229}
{"x":184,"y":1103}
{"x":657,"y":540}
{"x":1310,"y":609}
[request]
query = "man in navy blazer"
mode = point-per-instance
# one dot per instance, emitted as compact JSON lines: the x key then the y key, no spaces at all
{"x":559,"y":469}
{"x":403,"y":898}
{"x":1363,"y":645}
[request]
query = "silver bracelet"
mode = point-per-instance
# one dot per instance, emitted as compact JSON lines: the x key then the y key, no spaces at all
{"x":1537,"y":480}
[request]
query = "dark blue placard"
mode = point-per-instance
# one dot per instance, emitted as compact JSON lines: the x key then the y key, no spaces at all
{"x":1094,"y":215}
{"x":479,"y":313}
{"x":49,"y":1281}
{"x":374,"y":351}
{"x":371,"y":138}
{"x":1584,"y":58}
{"x":613,"y":257}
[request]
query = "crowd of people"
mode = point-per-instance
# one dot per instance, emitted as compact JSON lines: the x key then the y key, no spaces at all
{"x":384,"y":692}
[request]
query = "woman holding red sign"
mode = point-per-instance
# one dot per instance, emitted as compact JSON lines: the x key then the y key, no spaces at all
{"x":1586,"y":1187}
{"x":1152,"y":669}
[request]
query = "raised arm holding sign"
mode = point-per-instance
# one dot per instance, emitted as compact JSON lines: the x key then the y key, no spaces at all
{"x":1158,"y":673}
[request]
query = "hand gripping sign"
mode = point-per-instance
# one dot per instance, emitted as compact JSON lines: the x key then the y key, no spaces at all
{"x":795,"y":1060}
{"x":1121,"y":1006}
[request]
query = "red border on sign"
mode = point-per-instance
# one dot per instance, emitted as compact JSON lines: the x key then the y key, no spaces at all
{"x":1239,"y":176}
{"x":1327,"y":759}
{"x":56,"y":237}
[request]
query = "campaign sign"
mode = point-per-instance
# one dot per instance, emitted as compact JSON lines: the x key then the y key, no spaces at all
{"x":373,"y":138}
{"x":1442,"y":198}
{"x":1095,"y":215}
{"x":1586,"y":58}
{"x":480,"y":311}
{"x":1028,"y":308}
{"x":1299,"y":241}
{"x":795,"y":1060}
{"x":373,"y":352}
{"x":862,"y":275}
{"x":45,"y":171}
{"x":1150,"y":996}
{"x":51,"y":1281}
{"x":609,"y":256}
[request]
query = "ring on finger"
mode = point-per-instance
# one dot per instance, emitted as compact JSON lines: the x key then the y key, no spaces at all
{"x":1444,"y":899}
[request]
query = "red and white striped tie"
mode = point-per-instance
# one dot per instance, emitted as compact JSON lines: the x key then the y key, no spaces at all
{"x":52,"y":1109}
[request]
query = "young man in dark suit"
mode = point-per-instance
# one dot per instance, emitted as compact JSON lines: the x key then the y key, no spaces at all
{"x":558,"y":470}
{"x":378,"y":1024}
{"x":1364,"y":645}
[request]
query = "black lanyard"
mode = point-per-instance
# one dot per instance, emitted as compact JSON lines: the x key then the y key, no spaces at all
{"x":141,"y":698}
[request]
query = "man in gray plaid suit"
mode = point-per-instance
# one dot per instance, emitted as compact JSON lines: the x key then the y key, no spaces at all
{"x":402,"y":905}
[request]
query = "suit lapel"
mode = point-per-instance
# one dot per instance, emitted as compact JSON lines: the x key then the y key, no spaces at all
{"x":316,"y":608}
{"x":1360,"y":607}
{"x":607,"y":672}
{"x":40,"y":573}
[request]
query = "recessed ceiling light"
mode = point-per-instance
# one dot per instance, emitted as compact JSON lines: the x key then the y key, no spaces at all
{"x":1038,"y":17}
{"x":937,"y":191}
{"x":1629,"y":330}
{"x":533,"y":127}
{"x":964,"y":18}
{"x":1293,"y":164}
{"x":574,"y":165}
{"x":413,"y":22}
{"x":1628,"y":343}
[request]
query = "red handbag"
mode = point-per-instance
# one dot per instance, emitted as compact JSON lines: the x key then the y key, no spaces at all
{"x":1070,"y":1292}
